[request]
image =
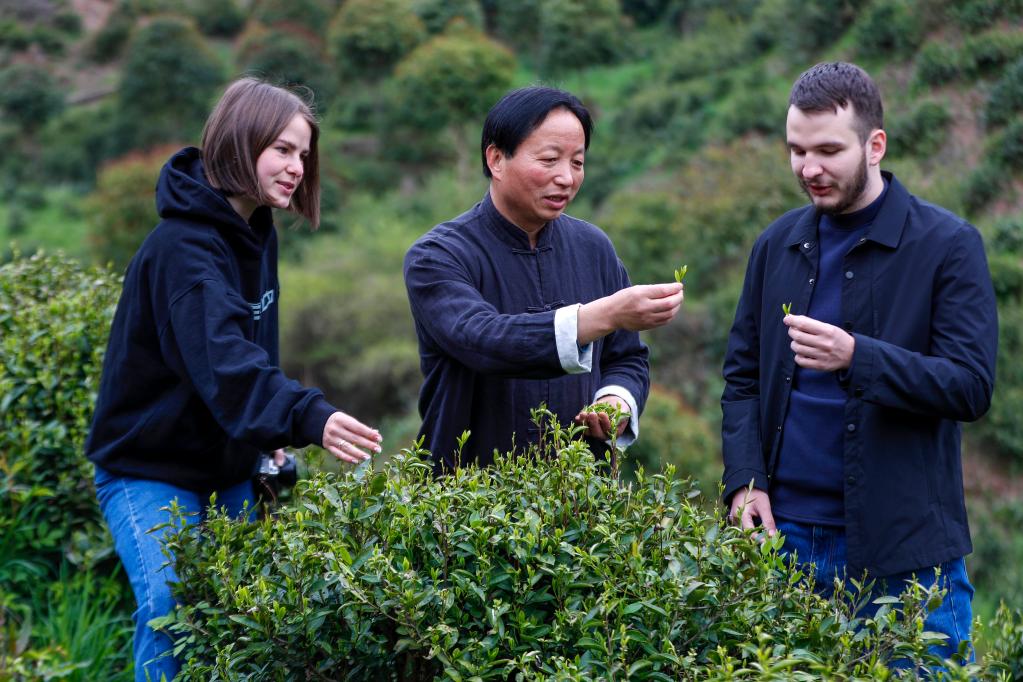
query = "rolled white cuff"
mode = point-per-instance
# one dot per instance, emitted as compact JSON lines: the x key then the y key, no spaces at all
{"x":574,"y":360}
{"x":631,"y":432}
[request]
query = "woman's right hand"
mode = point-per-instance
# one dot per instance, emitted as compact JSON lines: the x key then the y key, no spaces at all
{"x":348,"y":439}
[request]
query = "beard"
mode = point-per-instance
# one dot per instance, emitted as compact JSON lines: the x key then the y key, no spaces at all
{"x":848,"y":194}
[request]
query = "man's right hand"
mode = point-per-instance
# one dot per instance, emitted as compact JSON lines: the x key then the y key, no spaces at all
{"x":749,"y":504}
{"x":637,"y":308}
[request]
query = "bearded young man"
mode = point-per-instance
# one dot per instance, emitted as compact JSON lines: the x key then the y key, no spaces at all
{"x":517,"y":304}
{"x":841,"y":420}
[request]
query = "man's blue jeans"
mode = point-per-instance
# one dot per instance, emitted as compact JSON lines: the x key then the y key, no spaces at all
{"x":825,"y":548}
{"x":131,"y":507}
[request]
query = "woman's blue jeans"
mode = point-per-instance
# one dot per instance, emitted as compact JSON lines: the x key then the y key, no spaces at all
{"x":825,"y":548}
{"x":131,"y":507}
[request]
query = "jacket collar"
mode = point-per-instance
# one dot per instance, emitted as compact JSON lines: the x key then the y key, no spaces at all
{"x":886,"y":229}
{"x":510,"y":233}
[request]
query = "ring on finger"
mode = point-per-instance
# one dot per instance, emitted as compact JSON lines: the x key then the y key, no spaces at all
{"x":341,"y":443}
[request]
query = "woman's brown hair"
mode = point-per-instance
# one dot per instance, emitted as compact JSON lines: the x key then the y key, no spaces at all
{"x":247,"y":119}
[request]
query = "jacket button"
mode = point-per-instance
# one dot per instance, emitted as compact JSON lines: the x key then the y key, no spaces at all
{"x":850,"y":480}
{"x":806,"y":245}
{"x":811,"y":280}
{"x":788,"y":379}
{"x":779,"y":428}
{"x":848,"y":274}
{"x":850,"y":427}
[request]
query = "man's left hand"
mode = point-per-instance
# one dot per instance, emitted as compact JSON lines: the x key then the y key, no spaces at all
{"x":819,"y":345}
{"x":598,"y":424}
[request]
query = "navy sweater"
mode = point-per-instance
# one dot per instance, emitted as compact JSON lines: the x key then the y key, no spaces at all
{"x":483,"y":303}
{"x":191,"y":391}
{"x":808,"y":483}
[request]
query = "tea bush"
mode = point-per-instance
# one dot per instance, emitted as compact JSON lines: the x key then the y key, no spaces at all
{"x":979,"y":56}
{"x":54,"y":319}
{"x":368,"y":37}
{"x":541,"y":567}
{"x":919,"y":132}
{"x":1005,"y":102}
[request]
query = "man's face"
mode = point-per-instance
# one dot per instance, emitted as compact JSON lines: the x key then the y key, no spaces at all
{"x":828,"y":159}
{"x":535,"y":185}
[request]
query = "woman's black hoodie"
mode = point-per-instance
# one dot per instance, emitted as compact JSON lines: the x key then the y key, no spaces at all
{"x":191,"y":391}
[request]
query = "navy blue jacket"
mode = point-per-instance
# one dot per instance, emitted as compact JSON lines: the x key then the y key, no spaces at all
{"x":917,"y":297}
{"x":191,"y":392}
{"x":483,"y":303}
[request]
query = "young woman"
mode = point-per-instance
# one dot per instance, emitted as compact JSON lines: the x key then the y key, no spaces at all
{"x":191,"y":392}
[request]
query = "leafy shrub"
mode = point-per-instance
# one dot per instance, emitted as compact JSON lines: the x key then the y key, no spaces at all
{"x":800,"y":29}
{"x":453,"y":78}
{"x":579,"y":33}
{"x":288,"y":55}
{"x":29,"y":95}
{"x":938,"y":63}
{"x":76,"y":142}
{"x":515,"y":24}
{"x":1005,"y":642}
{"x":109,"y":42}
{"x":437,"y":14}
{"x":313,"y":15}
{"x":368,"y":37}
{"x":979,"y":56}
{"x":122,"y":208}
{"x":169,"y":80}
{"x":222,"y":18}
{"x":723,"y":45}
{"x":974,"y":15}
{"x":54,"y":319}
{"x":541,"y":567}
{"x":888,"y":29}
{"x":919,"y":132}
{"x":1005,"y":103}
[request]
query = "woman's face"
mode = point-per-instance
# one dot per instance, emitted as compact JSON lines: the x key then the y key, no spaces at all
{"x":280,"y":167}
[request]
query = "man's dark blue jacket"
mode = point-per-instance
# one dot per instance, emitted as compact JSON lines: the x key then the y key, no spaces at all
{"x":483,"y":303}
{"x":191,"y":392}
{"x":917,"y":297}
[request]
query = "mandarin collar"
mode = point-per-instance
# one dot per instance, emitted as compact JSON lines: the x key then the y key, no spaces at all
{"x":510,"y":233}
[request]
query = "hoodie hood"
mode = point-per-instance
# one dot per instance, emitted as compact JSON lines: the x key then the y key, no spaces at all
{"x":183,"y":191}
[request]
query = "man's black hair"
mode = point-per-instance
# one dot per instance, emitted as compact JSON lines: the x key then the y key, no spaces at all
{"x":829,"y":86}
{"x":522,"y":111}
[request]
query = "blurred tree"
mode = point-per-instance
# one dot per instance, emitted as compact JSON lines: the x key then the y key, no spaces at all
{"x":579,"y":33}
{"x":122,"y":208}
{"x":799,"y":28}
{"x":453,"y":78}
{"x":313,"y":15}
{"x":1005,"y":103}
{"x":221,"y":18}
{"x":515,"y":24}
{"x":368,"y":37}
{"x":287,"y":54}
{"x":29,"y":95}
{"x":887,"y":29}
{"x":437,"y":14}
{"x":169,"y":80}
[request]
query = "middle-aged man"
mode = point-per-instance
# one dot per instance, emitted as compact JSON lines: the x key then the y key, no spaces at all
{"x":844,"y":415}
{"x":517,"y":304}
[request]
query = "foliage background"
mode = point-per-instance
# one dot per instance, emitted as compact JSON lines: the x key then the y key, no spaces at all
{"x":687,"y":165}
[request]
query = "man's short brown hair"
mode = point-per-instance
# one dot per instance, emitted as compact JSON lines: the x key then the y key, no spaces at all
{"x":829,"y":86}
{"x":247,"y":119}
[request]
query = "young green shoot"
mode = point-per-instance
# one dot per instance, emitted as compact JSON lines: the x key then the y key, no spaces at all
{"x":680,"y":274}
{"x":786,"y":308}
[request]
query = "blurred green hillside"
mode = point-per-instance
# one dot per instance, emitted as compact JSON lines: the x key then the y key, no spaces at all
{"x":687,"y":165}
